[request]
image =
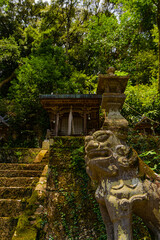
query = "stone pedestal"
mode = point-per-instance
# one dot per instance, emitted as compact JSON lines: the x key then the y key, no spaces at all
{"x":45,"y":145}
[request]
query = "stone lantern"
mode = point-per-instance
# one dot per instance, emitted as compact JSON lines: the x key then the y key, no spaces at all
{"x":112,"y":88}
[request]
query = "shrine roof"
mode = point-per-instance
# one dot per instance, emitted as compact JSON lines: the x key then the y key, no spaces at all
{"x":69,"y":96}
{"x":146,"y":123}
{"x":66,"y":100}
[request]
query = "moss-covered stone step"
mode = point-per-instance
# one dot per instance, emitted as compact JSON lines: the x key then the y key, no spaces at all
{"x":10,"y":207}
{"x":68,"y":142}
{"x":15,"y":192}
{"x":7,"y":227}
{"x":20,"y":173}
{"x":42,"y":157}
{"x":16,"y":166}
{"x":21,"y":155}
{"x":18,"y":181}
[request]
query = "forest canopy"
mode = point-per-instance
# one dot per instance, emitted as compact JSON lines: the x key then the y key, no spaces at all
{"x":61,"y":47}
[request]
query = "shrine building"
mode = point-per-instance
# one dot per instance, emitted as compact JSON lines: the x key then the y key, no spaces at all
{"x":146,"y":126}
{"x":72,"y":114}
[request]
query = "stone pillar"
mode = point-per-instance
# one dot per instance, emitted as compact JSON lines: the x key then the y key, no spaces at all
{"x":113,"y":98}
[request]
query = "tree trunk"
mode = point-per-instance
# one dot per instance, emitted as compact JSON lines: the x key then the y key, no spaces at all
{"x":159,"y":61}
{"x":158,"y":24}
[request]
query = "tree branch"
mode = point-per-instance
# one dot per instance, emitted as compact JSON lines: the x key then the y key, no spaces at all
{"x":7,"y":79}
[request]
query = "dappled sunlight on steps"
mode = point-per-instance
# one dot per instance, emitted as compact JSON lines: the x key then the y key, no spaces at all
{"x":17,"y":182}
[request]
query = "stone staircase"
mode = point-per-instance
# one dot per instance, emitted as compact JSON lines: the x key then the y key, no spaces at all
{"x":17,"y":182}
{"x":71,"y":209}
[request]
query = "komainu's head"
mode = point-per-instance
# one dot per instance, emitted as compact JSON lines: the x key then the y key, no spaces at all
{"x":106,"y":153}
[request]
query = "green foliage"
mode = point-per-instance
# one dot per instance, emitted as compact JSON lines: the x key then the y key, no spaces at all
{"x":121,"y":73}
{"x":18,"y":30}
{"x":81,"y":83}
{"x":3,"y":106}
{"x":152,"y":159}
{"x":9,"y":50}
{"x":145,"y":11}
{"x":148,"y":148}
{"x":9,"y":57}
{"x":60,"y":48}
{"x":140,"y":232}
{"x":144,"y":67}
{"x":141,"y":100}
{"x":100,"y":42}
{"x":41,"y":73}
{"x":44,"y":72}
{"x":3,"y":2}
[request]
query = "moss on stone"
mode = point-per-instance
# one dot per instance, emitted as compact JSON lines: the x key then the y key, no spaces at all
{"x":28,"y":224}
{"x":22,"y":222}
{"x":72,"y":210}
{"x":28,"y":233}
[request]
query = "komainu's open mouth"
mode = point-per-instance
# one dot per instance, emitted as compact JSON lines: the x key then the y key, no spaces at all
{"x":100,"y":153}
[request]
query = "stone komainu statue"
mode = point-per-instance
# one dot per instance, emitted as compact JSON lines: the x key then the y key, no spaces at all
{"x":125,"y":185}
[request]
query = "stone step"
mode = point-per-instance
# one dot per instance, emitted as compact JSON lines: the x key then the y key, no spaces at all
{"x":15,"y":192}
{"x":7,"y":227}
{"x":18,"y":181}
{"x":10,"y":207}
{"x":20,"y":173}
{"x":68,"y":142}
{"x":45,"y":158}
{"x":16,"y":166}
{"x":17,"y":155}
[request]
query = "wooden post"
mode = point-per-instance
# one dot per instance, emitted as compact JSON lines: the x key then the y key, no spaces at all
{"x":57,"y":123}
{"x":85,"y":123}
{"x":70,"y":122}
{"x":73,"y":130}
